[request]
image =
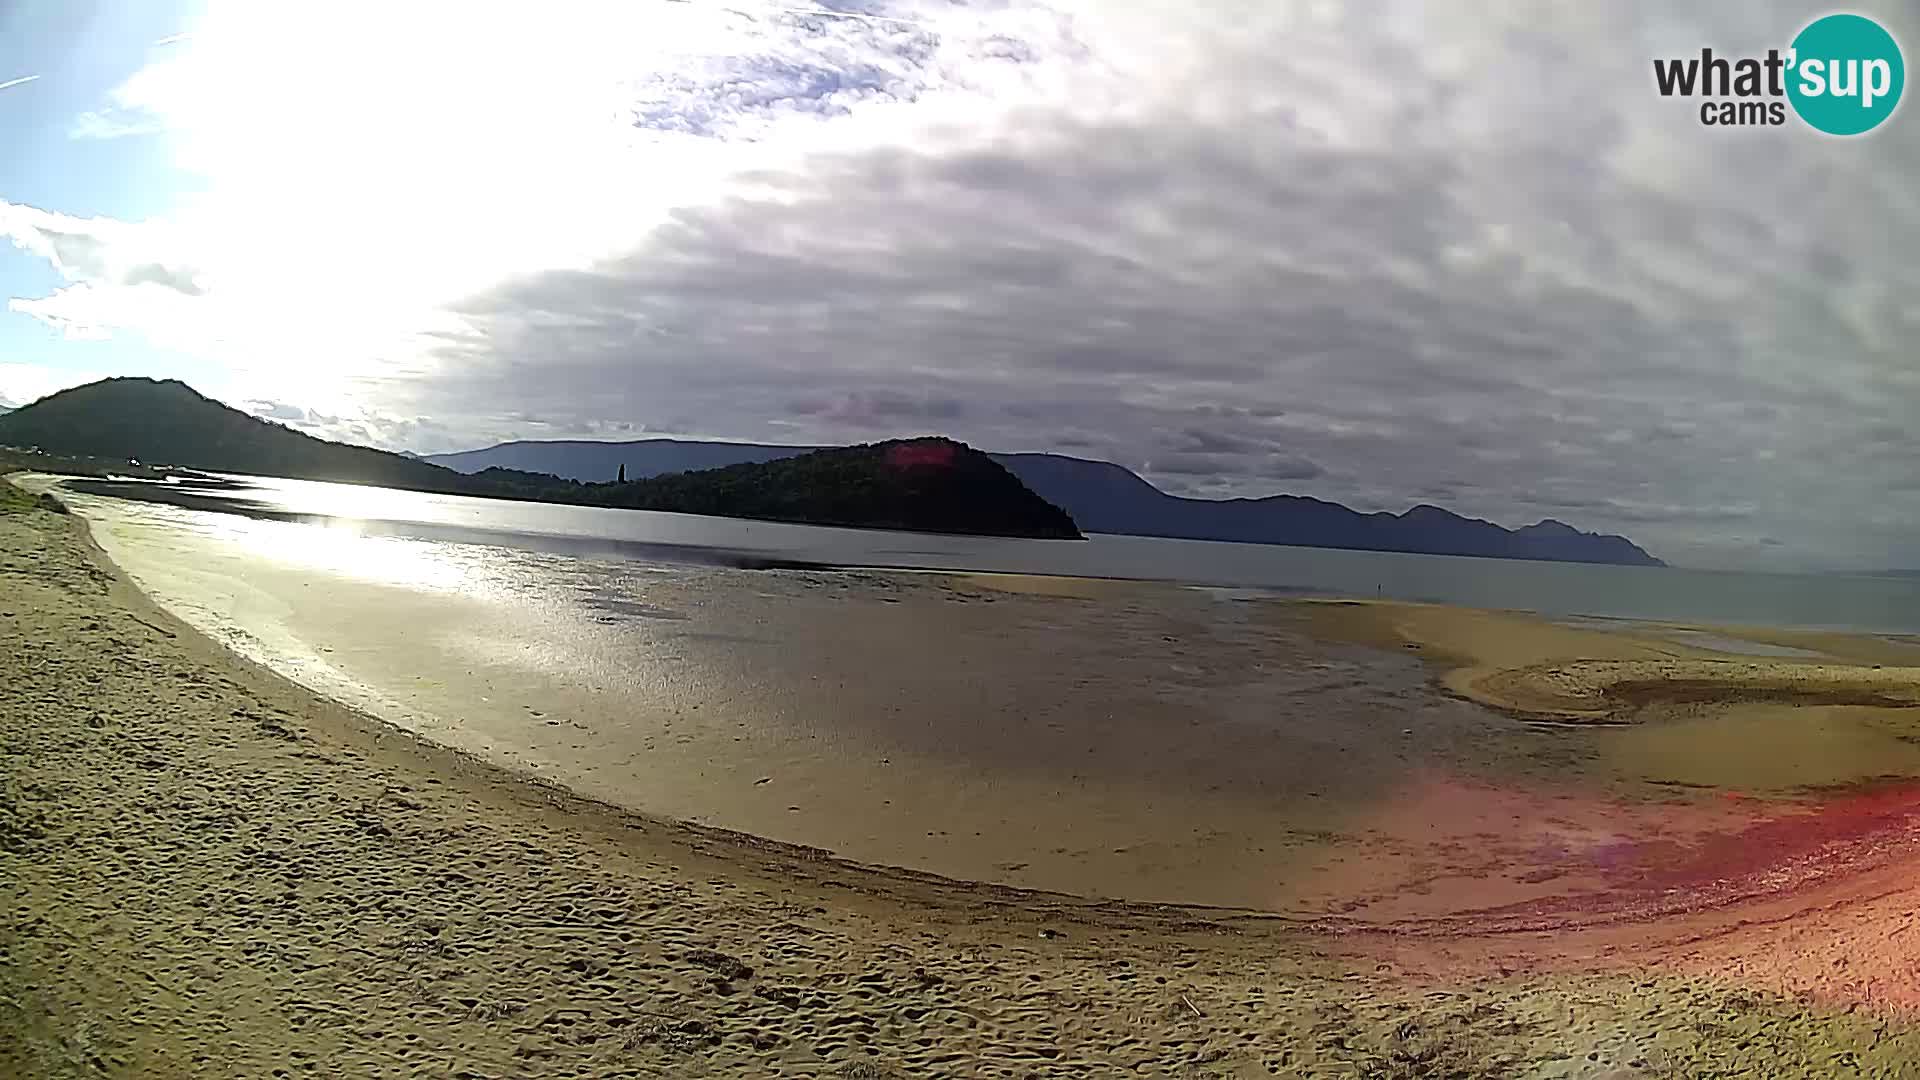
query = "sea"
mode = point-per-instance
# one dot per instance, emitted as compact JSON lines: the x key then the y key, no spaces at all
{"x":1858,"y":603}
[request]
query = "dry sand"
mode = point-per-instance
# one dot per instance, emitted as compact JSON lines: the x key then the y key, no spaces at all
{"x":210,"y":871}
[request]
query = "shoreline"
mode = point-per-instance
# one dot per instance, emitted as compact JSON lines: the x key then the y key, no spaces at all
{"x":531,"y":789}
{"x":1512,"y":663}
{"x":275,"y":882}
{"x":1634,"y":666}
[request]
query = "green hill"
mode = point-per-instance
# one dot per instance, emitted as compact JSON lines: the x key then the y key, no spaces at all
{"x":926,"y":485}
{"x":933,"y":484}
{"x":168,"y":422}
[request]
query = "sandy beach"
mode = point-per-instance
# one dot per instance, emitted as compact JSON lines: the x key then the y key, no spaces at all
{"x":212,"y":871}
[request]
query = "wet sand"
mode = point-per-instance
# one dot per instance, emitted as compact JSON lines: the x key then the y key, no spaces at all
{"x":212,"y":871}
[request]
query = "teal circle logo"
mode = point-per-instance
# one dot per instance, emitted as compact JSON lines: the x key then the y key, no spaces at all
{"x":1846,"y":74}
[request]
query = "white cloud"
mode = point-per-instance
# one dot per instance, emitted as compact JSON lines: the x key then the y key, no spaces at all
{"x":362,"y":165}
{"x":120,"y":274}
{"x":22,"y":383}
{"x":114,"y":123}
{"x":98,"y":249}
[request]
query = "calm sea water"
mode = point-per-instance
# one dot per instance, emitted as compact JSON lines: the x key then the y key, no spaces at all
{"x":1882,"y":605}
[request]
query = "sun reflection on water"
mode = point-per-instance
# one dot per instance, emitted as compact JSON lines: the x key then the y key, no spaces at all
{"x":345,"y":547}
{"x":354,"y":501}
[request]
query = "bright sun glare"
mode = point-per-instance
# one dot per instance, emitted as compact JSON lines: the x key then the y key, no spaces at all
{"x":463,"y":143}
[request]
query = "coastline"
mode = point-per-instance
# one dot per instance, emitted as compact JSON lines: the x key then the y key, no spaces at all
{"x":1537,"y":669}
{"x":227,"y":874}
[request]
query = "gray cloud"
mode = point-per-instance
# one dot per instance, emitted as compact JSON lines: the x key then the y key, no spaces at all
{"x":865,"y":410}
{"x":1195,"y":440}
{"x":389,"y":431}
{"x":1215,"y":466}
{"x":88,"y":250}
{"x":180,"y":281}
{"x":1365,"y":258}
{"x":274,"y":410}
{"x":75,"y":254}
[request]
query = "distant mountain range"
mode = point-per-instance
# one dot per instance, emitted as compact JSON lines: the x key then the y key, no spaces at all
{"x":926,"y":485}
{"x":588,"y":461}
{"x":1108,"y":498}
{"x":891,"y":485}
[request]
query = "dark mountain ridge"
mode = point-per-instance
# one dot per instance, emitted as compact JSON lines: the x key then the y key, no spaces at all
{"x":931,"y":484}
{"x":167,"y":420}
{"x":926,"y":485}
{"x":1104,"y":497}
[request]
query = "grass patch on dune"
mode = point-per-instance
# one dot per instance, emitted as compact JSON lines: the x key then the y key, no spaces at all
{"x":15,"y":501}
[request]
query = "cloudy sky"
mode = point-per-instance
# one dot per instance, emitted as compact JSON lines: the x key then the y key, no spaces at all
{"x":1384,"y":253}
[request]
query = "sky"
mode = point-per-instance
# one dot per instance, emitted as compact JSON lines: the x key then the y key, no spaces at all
{"x":1379,"y":252}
